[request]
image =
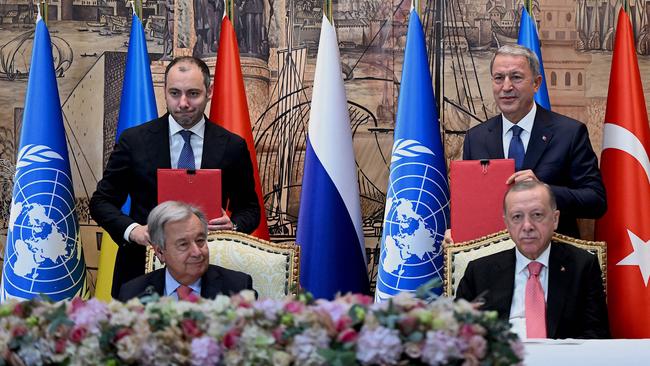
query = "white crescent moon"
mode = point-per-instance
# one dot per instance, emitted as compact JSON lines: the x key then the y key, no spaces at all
{"x":617,"y":137}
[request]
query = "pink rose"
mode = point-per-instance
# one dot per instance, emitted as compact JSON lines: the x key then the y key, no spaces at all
{"x":19,"y":331}
{"x":121,"y":333}
{"x":294,"y":307}
{"x":19,"y":311}
{"x":344,"y":322}
{"x":230,"y":338}
{"x":466,"y":331}
{"x":347,"y":336}
{"x":408,"y":324}
{"x":278,"y":335}
{"x":78,"y":334}
{"x":59,"y":345}
{"x":76,"y":304}
{"x":190,"y":329}
{"x":363,"y":299}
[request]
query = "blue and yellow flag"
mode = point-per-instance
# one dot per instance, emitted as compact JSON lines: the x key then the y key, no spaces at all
{"x":528,"y":37}
{"x":417,"y":199}
{"x":43,"y":254}
{"x":137,"y":105}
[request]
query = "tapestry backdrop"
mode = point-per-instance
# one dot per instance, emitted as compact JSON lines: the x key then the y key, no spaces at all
{"x":278,"y":40}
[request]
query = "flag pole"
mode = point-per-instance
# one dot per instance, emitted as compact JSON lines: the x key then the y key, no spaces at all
{"x":43,"y":8}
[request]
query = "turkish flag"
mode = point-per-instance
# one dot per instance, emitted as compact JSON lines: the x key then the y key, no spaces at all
{"x":229,"y":107}
{"x":626,"y":173}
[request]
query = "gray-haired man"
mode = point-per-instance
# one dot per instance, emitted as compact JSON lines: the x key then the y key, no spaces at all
{"x":547,"y":146}
{"x":178,"y":235}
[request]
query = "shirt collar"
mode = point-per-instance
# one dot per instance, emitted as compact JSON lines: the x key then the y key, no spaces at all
{"x":525,"y":123}
{"x":198,"y":129}
{"x":521,"y":262}
{"x":171,"y":284}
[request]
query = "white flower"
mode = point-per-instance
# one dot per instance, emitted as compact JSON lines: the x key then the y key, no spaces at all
{"x":379,"y":346}
{"x":305,"y":346}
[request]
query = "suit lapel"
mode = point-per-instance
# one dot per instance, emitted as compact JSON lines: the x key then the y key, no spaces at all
{"x":211,"y":283}
{"x":560,"y":272}
{"x":214,"y":145}
{"x":503,"y":284}
{"x":540,"y":137}
{"x":157,"y":280}
{"x":494,"y":140}
{"x":157,"y":143}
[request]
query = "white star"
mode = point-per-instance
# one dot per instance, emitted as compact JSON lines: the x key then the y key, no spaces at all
{"x":639,"y":257}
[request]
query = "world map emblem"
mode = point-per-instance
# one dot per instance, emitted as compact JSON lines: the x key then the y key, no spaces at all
{"x":416,"y":216}
{"x":43,"y":255}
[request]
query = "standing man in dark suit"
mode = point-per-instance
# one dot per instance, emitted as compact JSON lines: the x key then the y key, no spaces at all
{"x":547,"y":147}
{"x":183,"y":138}
{"x":179,"y":235}
{"x":545,"y":289}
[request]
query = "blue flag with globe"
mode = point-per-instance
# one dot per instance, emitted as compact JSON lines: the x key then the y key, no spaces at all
{"x":417,"y":200}
{"x":43,"y":254}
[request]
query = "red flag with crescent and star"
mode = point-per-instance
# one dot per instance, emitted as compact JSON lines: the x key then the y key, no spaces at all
{"x":626,"y":173}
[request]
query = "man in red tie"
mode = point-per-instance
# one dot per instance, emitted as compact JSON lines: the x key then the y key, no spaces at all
{"x":545,"y":289}
{"x":179,"y":235}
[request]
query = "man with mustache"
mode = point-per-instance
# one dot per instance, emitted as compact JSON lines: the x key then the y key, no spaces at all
{"x":182,"y":138}
{"x":545,"y":289}
{"x":547,"y":146}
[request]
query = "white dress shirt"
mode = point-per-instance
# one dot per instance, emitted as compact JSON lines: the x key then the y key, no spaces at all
{"x":518,"y":307}
{"x":177,"y":142}
{"x":525,"y":123}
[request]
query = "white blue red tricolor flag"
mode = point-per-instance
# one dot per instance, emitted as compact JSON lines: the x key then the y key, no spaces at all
{"x":329,"y":223}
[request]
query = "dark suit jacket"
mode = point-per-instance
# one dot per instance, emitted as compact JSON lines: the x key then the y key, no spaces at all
{"x":560,"y":154}
{"x":216,"y":280}
{"x":131,"y":171}
{"x":575,"y":306}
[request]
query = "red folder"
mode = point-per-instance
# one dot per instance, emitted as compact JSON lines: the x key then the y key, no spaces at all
{"x":477,"y":190}
{"x":200,"y":188}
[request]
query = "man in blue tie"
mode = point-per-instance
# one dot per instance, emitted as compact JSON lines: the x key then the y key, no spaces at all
{"x":179,"y":235}
{"x":546,"y":146}
{"x":182,"y":138}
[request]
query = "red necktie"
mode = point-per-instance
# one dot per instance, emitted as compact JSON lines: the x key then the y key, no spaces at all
{"x":535,"y":304}
{"x":184,"y":293}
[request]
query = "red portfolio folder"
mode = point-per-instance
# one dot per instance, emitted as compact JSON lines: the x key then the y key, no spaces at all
{"x":477,"y":189}
{"x":200,"y":188}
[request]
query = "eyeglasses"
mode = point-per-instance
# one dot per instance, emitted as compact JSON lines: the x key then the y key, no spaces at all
{"x":514,"y":78}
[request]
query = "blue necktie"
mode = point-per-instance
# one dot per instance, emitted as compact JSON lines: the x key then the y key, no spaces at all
{"x":516,"y":149}
{"x":186,"y":158}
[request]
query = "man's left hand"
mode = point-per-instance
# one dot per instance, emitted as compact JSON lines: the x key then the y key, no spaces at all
{"x":221,"y":223}
{"x":521,"y":176}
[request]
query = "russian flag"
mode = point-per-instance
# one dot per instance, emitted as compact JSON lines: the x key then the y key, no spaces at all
{"x":329,"y":223}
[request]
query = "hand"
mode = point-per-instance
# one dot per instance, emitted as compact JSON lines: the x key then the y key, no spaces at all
{"x":221,"y":223}
{"x":448,"y":240}
{"x":521,"y":176}
{"x":140,"y":235}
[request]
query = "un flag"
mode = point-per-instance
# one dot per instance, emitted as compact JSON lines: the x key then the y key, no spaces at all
{"x":417,"y":200}
{"x":43,"y":253}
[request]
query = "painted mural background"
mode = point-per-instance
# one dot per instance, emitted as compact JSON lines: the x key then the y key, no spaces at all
{"x":278,"y":43}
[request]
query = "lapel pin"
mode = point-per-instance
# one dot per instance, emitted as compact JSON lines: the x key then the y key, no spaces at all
{"x":544,"y":138}
{"x":562,"y":269}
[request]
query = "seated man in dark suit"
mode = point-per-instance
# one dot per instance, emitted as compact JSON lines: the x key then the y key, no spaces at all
{"x":179,"y":234}
{"x":545,"y":289}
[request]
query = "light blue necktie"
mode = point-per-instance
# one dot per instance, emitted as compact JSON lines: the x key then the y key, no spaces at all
{"x":516,"y":150}
{"x":186,"y":158}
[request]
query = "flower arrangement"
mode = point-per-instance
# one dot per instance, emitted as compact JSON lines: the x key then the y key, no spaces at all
{"x":238,"y":330}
